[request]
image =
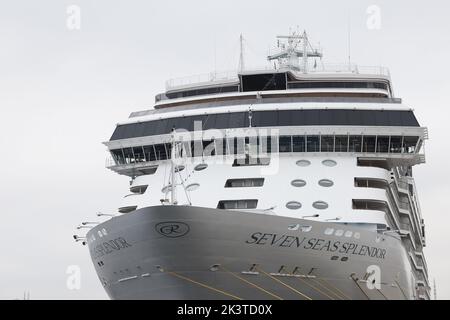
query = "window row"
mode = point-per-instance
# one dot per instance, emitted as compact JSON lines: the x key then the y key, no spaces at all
{"x":275,"y":118}
{"x":256,"y":146}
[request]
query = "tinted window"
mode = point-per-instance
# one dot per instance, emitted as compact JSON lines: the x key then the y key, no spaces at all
{"x":237,"y":120}
{"x":270,"y":118}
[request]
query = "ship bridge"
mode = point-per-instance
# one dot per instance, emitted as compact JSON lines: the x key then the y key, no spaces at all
{"x":295,"y":70}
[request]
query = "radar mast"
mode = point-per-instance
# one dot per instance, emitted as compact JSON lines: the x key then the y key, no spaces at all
{"x":293,"y":47}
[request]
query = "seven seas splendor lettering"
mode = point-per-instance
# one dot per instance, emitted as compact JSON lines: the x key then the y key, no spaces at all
{"x":317,"y":244}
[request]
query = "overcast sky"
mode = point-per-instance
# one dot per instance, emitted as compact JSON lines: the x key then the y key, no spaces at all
{"x":62,"y":91}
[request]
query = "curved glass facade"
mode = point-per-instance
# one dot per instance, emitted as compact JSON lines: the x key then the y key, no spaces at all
{"x":266,"y":145}
{"x":276,"y":118}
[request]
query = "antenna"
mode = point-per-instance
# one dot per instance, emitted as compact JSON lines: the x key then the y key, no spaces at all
{"x":348,"y":43}
{"x":173,"y":187}
{"x":241,"y":54}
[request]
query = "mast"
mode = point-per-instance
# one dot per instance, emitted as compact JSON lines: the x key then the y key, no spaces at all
{"x":173,"y":187}
{"x":305,"y":51}
{"x":296,"y":46}
{"x":241,"y":54}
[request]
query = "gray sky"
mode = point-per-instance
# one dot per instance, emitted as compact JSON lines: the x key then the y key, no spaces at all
{"x":62,"y":91}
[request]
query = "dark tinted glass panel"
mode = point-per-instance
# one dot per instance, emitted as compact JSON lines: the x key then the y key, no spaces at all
{"x":160,"y":126}
{"x":210,"y":122}
{"x":118,"y":156}
{"x":312,"y":144}
{"x":222,"y":121}
{"x":285,"y":118}
{"x":149,"y":152}
{"x":184,"y":123}
{"x":408,"y":119}
{"x":367,"y":118}
{"x":355,"y":144}
{"x":149,"y":129}
{"x":270,"y":118}
{"x":263,"y":82}
{"x":237,"y":204}
{"x":327,"y":143}
{"x":341,"y":143}
{"x":369,"y":144}
{"x":138,"y":154}
{"x":396,"y":145}
{"x":382,"y":144}
{"x":310,"y":117}
{"x":264,"y":118}
{"x":285,"y":144}
{"x":395,"y":118}
{"x":409,"y":144}
{"x":326,"y":117}
{"x":381,"y":118}
{"x":161,"y":152}
{"x":128,"y":153}
{"x":237,"y":120}
{"x":298,"y":144}
{"x":172,"y":123}
{"x":354,"y":118}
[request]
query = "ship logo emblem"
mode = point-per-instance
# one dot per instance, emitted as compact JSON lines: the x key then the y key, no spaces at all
{"x":172,"y":229}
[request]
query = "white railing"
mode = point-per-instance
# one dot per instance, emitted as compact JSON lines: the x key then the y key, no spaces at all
{"x":207,"y":78}
{"x":232,"y":75}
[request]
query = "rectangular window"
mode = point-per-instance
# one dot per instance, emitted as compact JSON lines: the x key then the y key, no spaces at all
{"x":369,"y":144}
{"x":409,"y":144}
{"x":244,"y":183}
{"x":396,"y":145}
{"x":118,"y":156}
{"x":285,"y":144}
{"x":312,"y":144}
{"x":355,"y":144}
{"x":341,"y":143}
{"x":250,"y":161}
{"x":149,"y":153}
{"x":298,"y":144}
{"x":238,"y":204}
{"x":129,"y":157}
{"x":138,"y":154}
{"x":161,"y":152}
{"x":383,"y":144}
{"x":327,"y":143}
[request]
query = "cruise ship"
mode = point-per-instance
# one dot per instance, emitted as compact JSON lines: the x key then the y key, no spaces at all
{"x":292,"y":181}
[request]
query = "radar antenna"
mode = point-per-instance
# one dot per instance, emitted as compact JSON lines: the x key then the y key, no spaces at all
{"x":241,"y":54}
{"x":295,"y":46}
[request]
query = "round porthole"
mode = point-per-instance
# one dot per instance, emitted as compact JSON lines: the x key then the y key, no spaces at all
{"x":329,"y":163}
{"x":326,"y":183}
{"x":293,"y":205}
{"x":298,"y":183}
{"x":320,"y":205}
{"x":303,"y":163}
{"x":166,"y":189}
{"x":200,"y":167}
{"x":192,"y":187}
{"x":179,"y":168}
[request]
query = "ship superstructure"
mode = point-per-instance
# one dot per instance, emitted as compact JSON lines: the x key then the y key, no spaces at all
{"x":293,"y":181}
